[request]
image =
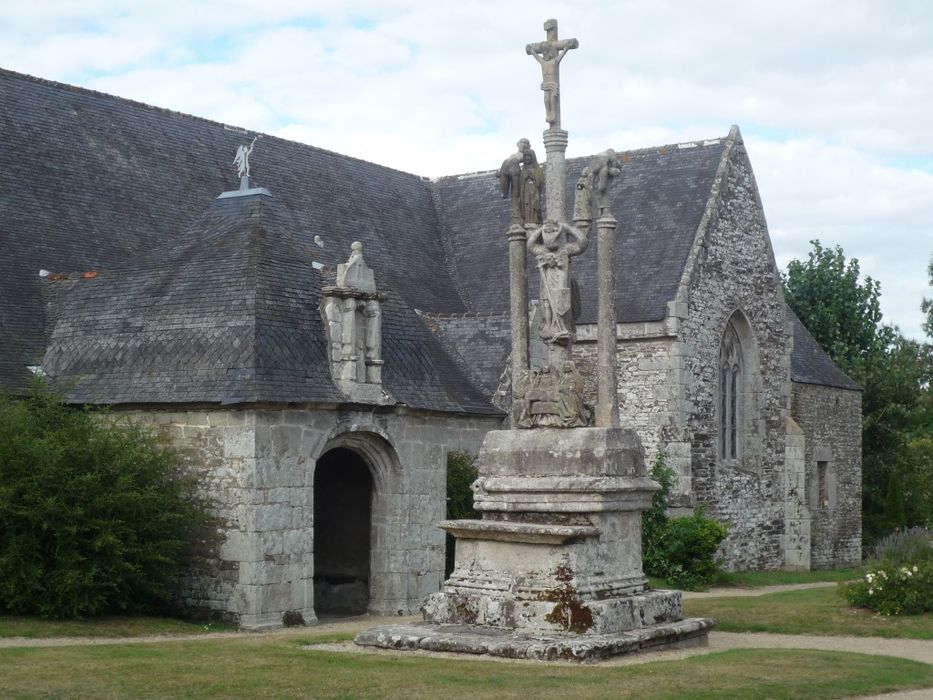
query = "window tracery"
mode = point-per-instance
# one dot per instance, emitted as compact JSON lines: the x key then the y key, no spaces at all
{"x":730,"y":390}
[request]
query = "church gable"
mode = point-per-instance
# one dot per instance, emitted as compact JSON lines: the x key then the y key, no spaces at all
{"x":736,"y":349}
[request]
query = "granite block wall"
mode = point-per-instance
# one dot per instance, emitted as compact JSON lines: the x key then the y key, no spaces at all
{"x":256,"y":468}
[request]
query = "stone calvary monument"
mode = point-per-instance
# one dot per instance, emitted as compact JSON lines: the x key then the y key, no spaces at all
{"x":553,"y":570}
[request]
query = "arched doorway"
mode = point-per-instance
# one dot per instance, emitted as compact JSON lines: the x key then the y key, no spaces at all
{"x":343,"y":495}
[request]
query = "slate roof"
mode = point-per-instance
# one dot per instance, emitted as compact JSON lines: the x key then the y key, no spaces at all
{"x":232,"y":316}
{"x":809,"y":363}
{"x":91,"y":181}
{"x":481,"y":344}
{"x":96,"y":183}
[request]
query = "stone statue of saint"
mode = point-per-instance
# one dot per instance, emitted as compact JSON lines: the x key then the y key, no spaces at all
{"x":570,"y":407}
{"x":532,"y":182}
{"x":241,"y":161}
{"x":553,"y":244}
{"x":602,"y":168}
{"x":549,"y":54}
{"x":510,"y":178}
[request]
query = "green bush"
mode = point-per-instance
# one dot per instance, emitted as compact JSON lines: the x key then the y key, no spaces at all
{"x":893,"y":590}
{"x":900,"y":577}
{"x":654,"y":520}
{"x":908,"y":546}
{"x":94,"y":519}
{"x":461,"y":473}
{"x":689,"y":550}
{"x":682,"y":550}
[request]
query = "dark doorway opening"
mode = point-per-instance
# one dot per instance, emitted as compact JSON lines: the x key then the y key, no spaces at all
{"x":343,"y":488}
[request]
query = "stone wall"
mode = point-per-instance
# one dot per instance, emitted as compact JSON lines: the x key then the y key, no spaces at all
{"x":651,"y":383}
{"x":733,"y":270}
{"x":218,"y":448}
{"x":831,"y":420}
{"x":256,"y":467}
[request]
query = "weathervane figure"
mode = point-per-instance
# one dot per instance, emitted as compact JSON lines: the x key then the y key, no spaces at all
{"x":549,"y":54}
{"x":241,"y":161}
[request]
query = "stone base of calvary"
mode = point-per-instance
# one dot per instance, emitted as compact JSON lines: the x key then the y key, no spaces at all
{"x":553,"y":570}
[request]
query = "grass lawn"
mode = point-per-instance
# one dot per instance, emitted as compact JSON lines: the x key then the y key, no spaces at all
{"x":757,"y":579}
{"x":111,"y":626}
{"x":278,"y":666}
{"x":810,"y":611}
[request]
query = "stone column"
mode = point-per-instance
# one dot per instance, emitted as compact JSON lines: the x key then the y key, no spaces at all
{"x":349,"y":357}
{"x":555,"y":145}
{"x":518,"y":292}
{"x":607,"y":399}
{"x":374,"y":361}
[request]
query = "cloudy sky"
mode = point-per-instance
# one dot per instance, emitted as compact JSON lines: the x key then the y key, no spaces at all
{"x":834,"y":98}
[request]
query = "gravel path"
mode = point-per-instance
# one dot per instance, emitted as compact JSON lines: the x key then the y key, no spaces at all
{"x":751,"y":592}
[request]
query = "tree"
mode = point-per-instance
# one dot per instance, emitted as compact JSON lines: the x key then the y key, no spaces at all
{"x":843,"y":313}
{"x":927,"y":305}
{"x":94,"y":518}
{"x":894,"y":503}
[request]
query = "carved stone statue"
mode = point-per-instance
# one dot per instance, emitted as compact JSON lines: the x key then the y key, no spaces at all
{"x":355,"y":272}
{"x":549,"y":54}
{"x":553,"y":244}
{"x":549,"y":398}
{"x":510,"y":176}
{"x":583,"y":200}
{"x":603,"y":167}
{"x":241,"y":160}
{"x":532,"y":183}
{"x":570,"y":406}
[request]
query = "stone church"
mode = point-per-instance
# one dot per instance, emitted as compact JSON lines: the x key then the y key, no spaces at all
{"x":317,"y":336}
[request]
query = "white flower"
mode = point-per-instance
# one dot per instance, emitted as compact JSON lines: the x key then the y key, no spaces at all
{"x":871,"y":591}
{"x":915,"y":569}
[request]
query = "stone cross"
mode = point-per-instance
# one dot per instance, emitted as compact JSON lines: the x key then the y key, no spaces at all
{"x":549,"y":54}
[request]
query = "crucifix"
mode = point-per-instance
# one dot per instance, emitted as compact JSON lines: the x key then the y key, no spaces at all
{"x":549,"y":54}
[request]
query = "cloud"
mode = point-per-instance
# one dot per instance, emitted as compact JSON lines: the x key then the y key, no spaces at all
{"x":838,"y":195}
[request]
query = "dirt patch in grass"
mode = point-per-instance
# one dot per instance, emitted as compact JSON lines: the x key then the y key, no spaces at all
{"x":111,"y":626}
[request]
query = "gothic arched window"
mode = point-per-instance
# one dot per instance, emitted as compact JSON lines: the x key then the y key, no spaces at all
{"x":730,"y":394}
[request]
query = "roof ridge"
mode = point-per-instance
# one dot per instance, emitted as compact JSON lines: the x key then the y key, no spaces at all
{"x":632,"y":152}
{"x":715,"y":193}
{"x":165,"y":110}
{"x":468,"y":314}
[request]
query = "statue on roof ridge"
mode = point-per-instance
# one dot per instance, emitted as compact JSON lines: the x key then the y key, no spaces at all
{"x":241,"y":160}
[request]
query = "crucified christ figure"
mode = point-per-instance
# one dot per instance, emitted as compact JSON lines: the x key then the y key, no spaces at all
{"x":549,"y":54}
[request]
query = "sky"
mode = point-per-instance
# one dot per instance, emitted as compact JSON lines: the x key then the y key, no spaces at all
{"x":833,"y":97}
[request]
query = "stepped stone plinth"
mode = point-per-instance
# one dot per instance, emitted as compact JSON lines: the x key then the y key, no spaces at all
{"x":553,"y":568}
